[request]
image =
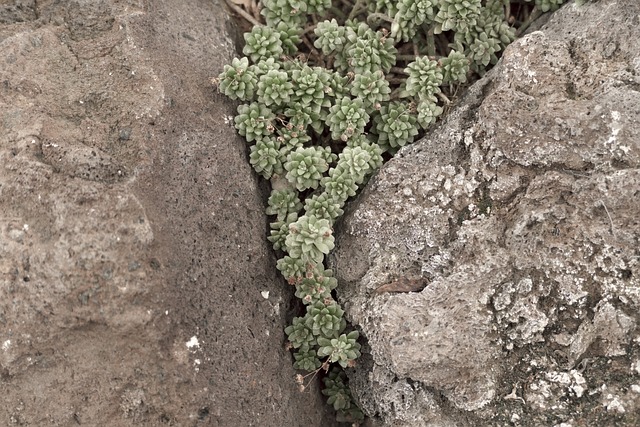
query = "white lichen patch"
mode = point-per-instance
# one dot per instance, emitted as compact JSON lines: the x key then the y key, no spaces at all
{"x":615,"y":127}
{"x":573,"y":381}
{"x":193,"y":343}
{"x":550,"y":391}
{"x":614,"y":404}
{"x":519,"y":314}
{"x":539,"y":393}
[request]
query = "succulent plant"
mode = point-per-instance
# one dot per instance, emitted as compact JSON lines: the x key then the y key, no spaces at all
{"x":262,"y":43}
{"x":395,"y":126}
{"x":300,"y":116}
{"x":306,"y":359}
{"x":424,"y":78}
{"x":372,"y":88}
{"x":339,"y":185}
{"x":289,"y":37}
{"x":457,"y":15}
{"x":455,"y":67}
{"x":330,"y":37}
{"x":375,"y":153}
{"x":323,"y":206}
{"x":342,"y":350}
{"x":388,"y":7}
{"x":293,"y":269}
{"x":428,"y":112}
{"x":309,"y":239}
{"x":417,"y":11}
{"x":305,"y":166}
{"x":288,"y":11}
{"x":366,"y":50}
{"x":283,"y":202}
{"x":309,"y":86}
{"x":548,"y":5}
{"x":363,"y":140}
{"x":264,"y":66}
{"x":254,"y":121}
{"x":265,"y":157}
{"x":411,"y":15}
{"x":355,"y":162}
{"x":491,"y":21}
{"x":338,"y":85}
{"x":339,"y":395}
{"x":325,"y":319}
{"x":347,"y":118}
{"x":291,"y":138}
{"x":315,"y":288}
{"x":317,"y":6}
{"x":238,"y":81}
{"x":280,"y":231}
{"x":274,"y":88}
{"x":299,"y":334}
{"x":484,"y":49}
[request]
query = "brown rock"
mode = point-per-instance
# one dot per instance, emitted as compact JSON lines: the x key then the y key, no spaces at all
{"x":132,"y":251}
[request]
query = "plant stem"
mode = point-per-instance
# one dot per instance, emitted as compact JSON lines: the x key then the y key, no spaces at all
{"x":406,"y":58}
{"x":356,"y":9}
{"x":338,"y":13}
{"x":535,"y":14}
{"x":396,"y":80}
{"x":443,"y":98}
{"x":431,"y":45}
{"x":313,"y":53}
{"x":507,"y":10}
{"x":379,"y":17}
{"x":308,"y":30}
{"x":242,"y":13}
{"x":443,"y":44}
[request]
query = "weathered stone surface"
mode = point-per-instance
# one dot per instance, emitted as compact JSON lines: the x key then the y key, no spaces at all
{"x":518,"y":216}
{"x":133,"y":264}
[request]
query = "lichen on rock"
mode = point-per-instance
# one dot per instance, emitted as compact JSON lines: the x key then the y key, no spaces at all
{"x":519,"y":212}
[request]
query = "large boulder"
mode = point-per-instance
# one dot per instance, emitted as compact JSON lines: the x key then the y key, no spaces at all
{"x":493,"y":266}
{"x":136,"y":285}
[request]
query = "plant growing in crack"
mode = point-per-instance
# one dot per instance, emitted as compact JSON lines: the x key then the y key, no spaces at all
{"x":329,"y":91}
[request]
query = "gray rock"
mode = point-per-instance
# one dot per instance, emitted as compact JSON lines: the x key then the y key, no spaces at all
{"x":136,"y":285}
{"x":516,"y":220}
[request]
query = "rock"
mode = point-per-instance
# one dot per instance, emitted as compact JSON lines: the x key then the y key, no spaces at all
{"x":518,"y":217}
{"x":133,"y":263}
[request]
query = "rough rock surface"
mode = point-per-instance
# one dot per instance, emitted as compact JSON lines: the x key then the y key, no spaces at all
{"x":516,"y":225}
{"x":136,"y":286}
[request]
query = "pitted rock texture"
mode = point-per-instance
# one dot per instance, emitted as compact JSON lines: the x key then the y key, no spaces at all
{"x":518,"y":218}
{"x":133,"y":264}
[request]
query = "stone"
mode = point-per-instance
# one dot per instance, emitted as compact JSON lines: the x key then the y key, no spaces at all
{"x":133,"y":258}
{"x":519,"y":215}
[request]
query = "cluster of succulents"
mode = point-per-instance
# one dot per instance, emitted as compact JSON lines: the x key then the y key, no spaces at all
{"x":548,"y":5}
{"x":339,"y":395}
{"x":328,"y":92}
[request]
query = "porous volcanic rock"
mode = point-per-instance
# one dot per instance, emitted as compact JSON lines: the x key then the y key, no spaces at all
{"x":136,"y":284}
{"x":493,"y":266}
